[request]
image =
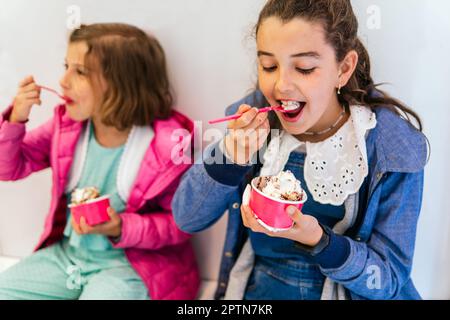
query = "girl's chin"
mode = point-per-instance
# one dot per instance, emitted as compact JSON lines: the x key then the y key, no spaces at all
{"x":76,"y":117}
{"x":292,"y":129}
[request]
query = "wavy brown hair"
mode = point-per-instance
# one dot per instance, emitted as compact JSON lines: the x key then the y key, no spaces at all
{"x":133,"y":64}
{"x":341,"y":28}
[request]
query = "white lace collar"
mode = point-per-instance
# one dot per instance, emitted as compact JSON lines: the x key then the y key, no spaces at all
{"x":334,"y":168}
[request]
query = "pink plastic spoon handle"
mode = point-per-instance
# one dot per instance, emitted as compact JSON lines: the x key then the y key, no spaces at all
{"x":55,"y":92}
{"x":237,"y":116}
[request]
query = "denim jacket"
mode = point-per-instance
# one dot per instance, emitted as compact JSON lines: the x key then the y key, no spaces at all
{"x":382,"y":240}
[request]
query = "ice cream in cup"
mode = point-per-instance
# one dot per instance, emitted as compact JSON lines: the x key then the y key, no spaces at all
{"x":87,"y":203}
{"x":270,"y":196}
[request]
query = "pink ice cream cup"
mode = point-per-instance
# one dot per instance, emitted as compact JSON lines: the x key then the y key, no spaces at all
{"x":94,"y":211}
{"x":271,"y":211}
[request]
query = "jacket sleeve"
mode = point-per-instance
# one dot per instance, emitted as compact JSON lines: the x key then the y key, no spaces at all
{"x":21,"y":152}
{"x":381,"y":267}
{"x":205,"y":190}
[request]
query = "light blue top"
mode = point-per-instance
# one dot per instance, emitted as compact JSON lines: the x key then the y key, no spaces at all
{"x":100,"y":170}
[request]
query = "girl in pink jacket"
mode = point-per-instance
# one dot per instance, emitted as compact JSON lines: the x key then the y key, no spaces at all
{"x":118,"y":133}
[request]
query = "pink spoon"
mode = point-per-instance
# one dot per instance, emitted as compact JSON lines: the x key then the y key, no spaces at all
{"x":66,"y":99}
{"x":237,"y":116}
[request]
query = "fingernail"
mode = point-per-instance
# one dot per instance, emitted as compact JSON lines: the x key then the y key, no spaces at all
{"x":291,"y":210}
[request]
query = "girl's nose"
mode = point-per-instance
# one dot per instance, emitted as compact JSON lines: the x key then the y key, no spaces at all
{"x":284,"y":83}
{"x":64,"y":81}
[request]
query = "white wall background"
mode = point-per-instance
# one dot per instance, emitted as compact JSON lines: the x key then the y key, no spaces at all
{"x":211,"y":61}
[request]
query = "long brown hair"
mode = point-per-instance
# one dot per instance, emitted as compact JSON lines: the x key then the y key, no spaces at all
{"x":341,"y":28}
{"x":133,"y":64}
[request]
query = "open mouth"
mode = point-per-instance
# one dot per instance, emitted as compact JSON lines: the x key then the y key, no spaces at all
{"x":292,"y":109}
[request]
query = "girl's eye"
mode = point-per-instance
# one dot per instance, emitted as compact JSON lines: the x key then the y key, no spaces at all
{"x":65,"y":66}
{"x":81,"y":72}
{"x":305,"y":71}
{"x":269,"y":69}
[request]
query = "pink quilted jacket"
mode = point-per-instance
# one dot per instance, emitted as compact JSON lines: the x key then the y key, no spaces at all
{"x":159,"y":252}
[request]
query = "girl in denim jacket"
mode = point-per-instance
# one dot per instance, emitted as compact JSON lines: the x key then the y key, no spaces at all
{"x":357,"y":155}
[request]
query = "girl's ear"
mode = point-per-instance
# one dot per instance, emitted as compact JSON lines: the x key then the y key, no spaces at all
{"x":347,"y":67}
